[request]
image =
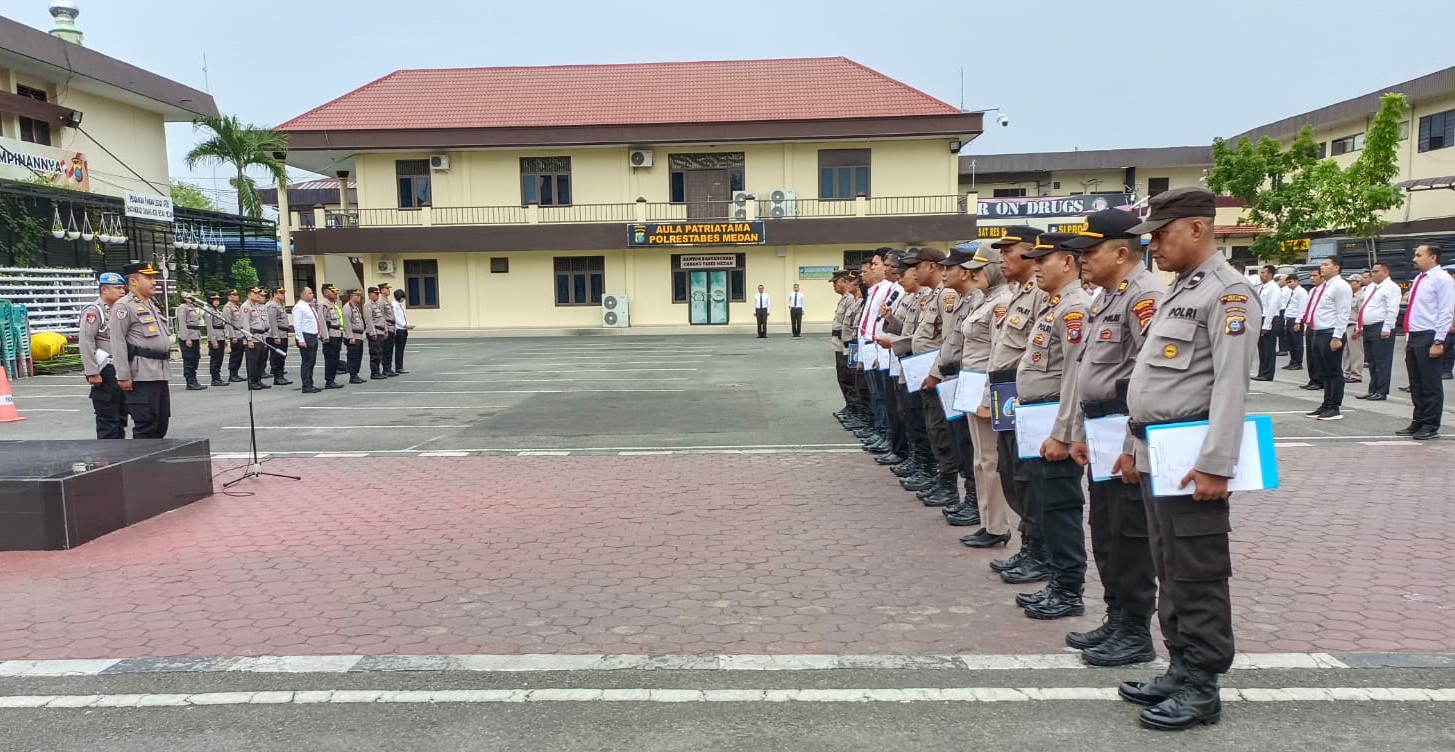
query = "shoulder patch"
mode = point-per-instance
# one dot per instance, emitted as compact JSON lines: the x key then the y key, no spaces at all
{"x":1233,"y":299}
{"x":1074,"y":321}
{"x":120,"y":312}
{"x":1234,"y":324}
{"x":1144,"y":310}
{"x":1000,"y":312}
{"x":90,"y":316}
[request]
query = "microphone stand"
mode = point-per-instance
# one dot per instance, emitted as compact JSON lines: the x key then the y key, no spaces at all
{"x":254,"y":468}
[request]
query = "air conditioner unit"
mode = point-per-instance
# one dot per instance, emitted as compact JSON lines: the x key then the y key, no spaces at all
{"x":615,"y":313}
{"x":743,"y":208}
{"x":782,"y":204}
{"x":439,"y":162}
{"x":385,"y":267}
{"x":639,"y":157}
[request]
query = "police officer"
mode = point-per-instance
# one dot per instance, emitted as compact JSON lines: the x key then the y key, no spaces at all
{"x":978,"y":331}
{"x":899,"y":324}
{"x":279,"y":329}
{"x":376,"y":333}
{"x":391,"y":329}
{"x":861,"y":417}
{"x":236,"y":325}
{"x":256,"y":327}
{"x":189,"y":321}
{"x":1009,"y":339}
{"x":1112,"y":259}
{"x":1194,"y":367}
{"x":330,"y":312}
{"x":840,"y":283}
{"x":888,"y":392}
{"x":217,"y":336}
{"x":98,"y":358}
{"x":935,"y":454}
{"x":142,"y":369}
{"x":1046,"y":374}
{"x":356,"y":331}
{"x":956,"y":302}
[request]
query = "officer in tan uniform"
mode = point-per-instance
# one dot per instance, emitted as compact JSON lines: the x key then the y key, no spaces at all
{"x":946,"y":367}
{"x":330,"y":312}
{"x":936,"y":454}
{"x":191,"y":331}
{"x":862,"y":419}
{"x":142,"y":367}
{"x":1112,"y":260}
{"x":1194,"y":366}
{"x":836,"y":341}
{"x":107,"y":399}
{"x":235,"y":328}
{"x":968,"y":295}
{"x":256,"y":328}
{"x":377,"y":331}
{"x":280,"y":330}
{"x":356,"y":328}
{"x":391,"y":328}
{"x":1046,"y":374}
{"x":217,"y":336}
{"x":978,"y":329}
{"x":898,"y":329}
{"x":1010,"y":335}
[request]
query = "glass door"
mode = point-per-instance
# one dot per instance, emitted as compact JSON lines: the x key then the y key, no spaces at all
{"x":707,"y":297}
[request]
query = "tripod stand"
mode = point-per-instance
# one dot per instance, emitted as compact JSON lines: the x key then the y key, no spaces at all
{"x":255,"y":467}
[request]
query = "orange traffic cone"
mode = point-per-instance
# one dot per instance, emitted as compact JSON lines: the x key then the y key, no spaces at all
{"x":8,"y":413}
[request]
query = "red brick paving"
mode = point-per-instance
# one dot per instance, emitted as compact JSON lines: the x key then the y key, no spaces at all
{"x":694,"y":554}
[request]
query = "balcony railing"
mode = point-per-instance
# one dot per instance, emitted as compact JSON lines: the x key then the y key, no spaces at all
{"x":752,"y":209}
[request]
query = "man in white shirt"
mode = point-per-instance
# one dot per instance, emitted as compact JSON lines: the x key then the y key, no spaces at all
{"x":1292,"y":316}
{"x":871,"y":326}
{"x":760,"y":310}
{"x":401,"y":320}
{"x":1328,"y":321}
{"x":1375,"y":328}
{"x":1281,"y":323}
{"x":1269,"y":293}
{"x":1353,"y":343}
{"x":795,"y":310}
{"x":306,"y":327}
{"x":1426,"y":326}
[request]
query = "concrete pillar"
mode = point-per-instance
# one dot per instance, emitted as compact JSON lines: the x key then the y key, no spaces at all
{"x":285,"y":233}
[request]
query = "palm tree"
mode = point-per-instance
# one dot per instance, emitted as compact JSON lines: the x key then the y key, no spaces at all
{"x":242,"y":146}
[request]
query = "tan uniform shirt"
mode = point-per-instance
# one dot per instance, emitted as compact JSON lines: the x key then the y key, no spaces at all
{"x":1047,"y":368}
{"x":375,"y":320}
{"x":189,"y":323}
{"x":328,"y":313}
{"x":836,"y":330}
{"x":142,"y":330}
{"x":355,"y":325}
{"x":978,"y":331}
{"x":929,"y":331}
{"x":953,"y":348}
{"x":95,"y":335}
{"x":1114,"y":336}
{"x":1013,"y":329}
{"x":255,"y":319}
{"x":217,"y":329}
{"x":899,"y":324}
{"x":278,"y":324}
{"x":235,"y":320}
{"x":386,"y":308}
{"x":1196,"y":360}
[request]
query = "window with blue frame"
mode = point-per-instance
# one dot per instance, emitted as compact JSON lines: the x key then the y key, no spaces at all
{"x":412,"y":176}
{"x":843,"y":173}
{"x":422,"y":283}
{"x":545,"y":181}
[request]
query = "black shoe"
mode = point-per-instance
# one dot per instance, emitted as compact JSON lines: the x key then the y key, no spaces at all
{"x":1410,"y":431}
{"x":391,"y":374}
{"x":355,"y":380}
{"x":1404,"y":389}
{"x":1033,"y":570}
{"x":195,"y":387}
{"x":892,"y":458}
{"x":1331,"y":414}
{"x":1260,"y":378}
{"x":1084,"y":640}
{"x":235,"y":379}
{"x":1316,"y":412}
{"x":1447,"y":377}
{"x":1197,"y":701}
{"x":333,"y":385}
{"x":1293,"y":367}
{"x":1427,"y":435}
{"x":1312,"y":387}
{"x":257,"y":387}
{"x":1149,"y":693}
{"x":1377,"y":397}
{"x":281,"y":382}
{"x":1027,"y":599}
{"x":984,"y":539}
{"x":940,"y":500}
{"x":311,"y":390}
{"x":1352,"y":380}
{"x":1285,"y":352}
{"x":882,"y":447}
{"x":218,"y":382}
{"x":917,"y":483}
{"x":1132,"y":643}
{"x":968,"y":517}
{"x":1363,"y":396}
{"x":907,"y":469}
{"x":1005,"y":565}
{"x":1060,"y":604}
{"x":400,"y":372}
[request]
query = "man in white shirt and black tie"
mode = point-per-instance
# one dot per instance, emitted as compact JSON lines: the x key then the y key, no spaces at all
{"x":760,"y":310}
{"x":1293,"y":320}
{"x":1375,"y":327}
{"x":1328,"y":321}
{"x":1426,"y":326}
{"x":1269,"y":294}
{"x":795,"y":310}
{"x":1281,"y":323}
{"x":305,"y":330}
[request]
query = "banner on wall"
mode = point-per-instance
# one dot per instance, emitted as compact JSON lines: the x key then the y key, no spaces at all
{"x":1025,"y":207}
{"x":62,"y":168}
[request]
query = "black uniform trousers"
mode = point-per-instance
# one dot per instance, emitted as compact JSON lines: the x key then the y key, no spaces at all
{"x":1380,"y":354}
{"x":1295,"y":346}
{"x":862,"y":397}
{"x":876,"y":399}
{"x":1312,"y":361}
{"x":762,"y":315}
{"x":376,"y":355}
{"x":386,"y":352}
{"x":1448,"y":359}
{"x":898,"y":442}
{"x":235,"y":358}
{"x":1190,"y":551}
{"x":1056,"y":489}
{"x":307,"y":358}
{"x":845,"y":379}
{"x":912,"y":405}
{"x":1015,"y":482}
{"x":356,"y":357}
{"x":1427,"y":391}
{"x":1280,"y":332}
{"x":1118,"y":521}
{"x":1267,"y":353}
{"x":216,"y":352}
{"x":942,"y":443}
{"x":795,"y":315}
{"x":331,"y":363}
{"x":400,"y":338}
{"x":109,"y":402}
{"x":257,"y":360}
{"x":191,"y":356}
{"x":277,"y":359}
{"x":1331,"y":367}
{"x":964,"y":449}
{"x":150,"y":405}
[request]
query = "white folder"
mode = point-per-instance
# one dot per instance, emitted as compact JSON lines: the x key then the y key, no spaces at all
{"x":946,"y":391}
{"x":970,"y":391}
{"x":1033,"y":424}
{"x":1105,"y":438}
{"x":1173,"y":451}
{"x":917,"y":369}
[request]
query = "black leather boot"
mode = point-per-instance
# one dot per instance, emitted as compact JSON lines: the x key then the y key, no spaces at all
{"x":1061,"y":603}
{"x":1005,"y":565}
{"x":918,"y":482}
{"x":946,"y":495}
{"x":1084,"y":640}
{"x":193,"y":385}
{"x":1152,"y":692}
{"x":1196,"y":701}
{"x":1027,"y":599}
{"x":1132,"y":643}
{"x":1033,"y":569}
{"x":968,"y":515}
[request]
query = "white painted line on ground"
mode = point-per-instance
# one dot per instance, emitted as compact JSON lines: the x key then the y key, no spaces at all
{"x":544,"y":453}
{"x":1389,"y":442}
{"x":1330,"y":438}
{"x":330,"y":428}
{"x":50,"y":410}
{"x":24,"y":396}
{"x":341,"y":455}
{"x":444,"y":454}
{"x":409,"y":407}
{"x":523,"y":391}
{"x":546,"y":381}
{"x":584,"y":370}
{"x":1287,"y":444}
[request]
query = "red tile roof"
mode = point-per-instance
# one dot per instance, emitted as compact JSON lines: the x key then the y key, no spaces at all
{"x":638,"y":94}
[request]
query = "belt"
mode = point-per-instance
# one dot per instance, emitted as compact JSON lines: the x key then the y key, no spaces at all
{"x":950,"y":370}
{"x":1139,"y":430}
{"x":1104,"y":408}
{"x":1419,"y":332}
{"x":838,"y":333}
{"x":260,"y":331}
{"x":1006,"y":376}
{"x":132,"y":351}
{"x":1044,"y":401}
{"x":1330,"y":330}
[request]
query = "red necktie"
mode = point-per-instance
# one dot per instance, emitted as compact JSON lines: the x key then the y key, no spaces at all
{"x":1308,"y":318}
{"x":1410,"y":312}
{"x":1369,"y":298}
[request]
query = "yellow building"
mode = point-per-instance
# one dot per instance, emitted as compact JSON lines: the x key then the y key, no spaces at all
{"x":526,"y":197}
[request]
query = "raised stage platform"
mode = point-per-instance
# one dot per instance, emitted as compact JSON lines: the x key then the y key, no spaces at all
{"x":56,"y":495}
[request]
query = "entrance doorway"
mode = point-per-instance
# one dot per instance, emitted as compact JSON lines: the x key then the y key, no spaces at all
{"x":707,"y":194}
{"x":707,"y":297}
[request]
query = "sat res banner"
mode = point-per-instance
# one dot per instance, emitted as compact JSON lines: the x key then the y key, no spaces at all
{"x":695,"y":233}
{"x":1052,"y":206}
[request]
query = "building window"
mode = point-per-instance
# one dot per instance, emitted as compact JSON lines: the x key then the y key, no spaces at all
{"x":843,"y":173}
{"x":34,"y":131}
{"x":1158,"y":185}
{"x":545,"y":181}
{"x":413,"y":177}
{"x":422,"y":283}
{"x":1009,"y":193}
{"x":580,"y":280}
{"x":500,"y":265}
{"x":737,"y":282}
{"x":1347,"y":144}
{"x":719,"y":176}
{"x":854,"y":259}
{"x":1404,"y":129}
{"x":305,"y":218}
{"x":1437,"y":131}
{"x":1323,"y":150}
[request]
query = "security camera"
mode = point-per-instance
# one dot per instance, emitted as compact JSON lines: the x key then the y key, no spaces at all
{"x":1004,"y":120}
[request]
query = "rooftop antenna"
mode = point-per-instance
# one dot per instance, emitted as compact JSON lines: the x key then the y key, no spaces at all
{"x":962,"y":87}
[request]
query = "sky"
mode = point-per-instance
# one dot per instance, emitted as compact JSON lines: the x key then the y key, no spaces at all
{"x":1070,"y":75}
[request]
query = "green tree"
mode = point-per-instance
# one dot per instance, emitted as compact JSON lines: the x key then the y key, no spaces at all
{"x":244,"y":276}
{"x":1354,"y":197}
{"x":242,"y":147}
{"x":189,"y":196}
{"x":1278,"y":186}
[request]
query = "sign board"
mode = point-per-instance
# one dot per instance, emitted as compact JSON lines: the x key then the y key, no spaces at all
{"x":63,"y":168}
{"x":1296,"y":244}
{"x":817,"y":272}
{"x":1052,"y":206}
{"x":1072,"y":227}
{"x":149,"y":206}
{"x":989,"y":232}
{"x":694,"y":233}
{"x":713,"y":261}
